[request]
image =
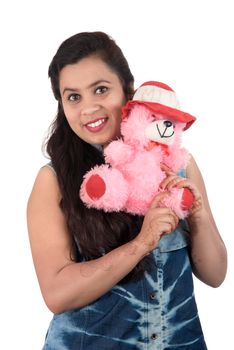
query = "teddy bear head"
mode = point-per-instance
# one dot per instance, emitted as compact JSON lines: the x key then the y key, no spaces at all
{"x":153,"y":117}
{"x":143,"y":129}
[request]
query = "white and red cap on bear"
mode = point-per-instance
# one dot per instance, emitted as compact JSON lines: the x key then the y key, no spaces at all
{"x":159,"y":98}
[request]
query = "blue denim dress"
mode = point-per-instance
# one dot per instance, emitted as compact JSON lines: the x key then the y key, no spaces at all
{"x":157,"y":311}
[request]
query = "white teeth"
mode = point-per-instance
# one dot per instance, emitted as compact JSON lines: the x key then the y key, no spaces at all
{"x":99,"y":122}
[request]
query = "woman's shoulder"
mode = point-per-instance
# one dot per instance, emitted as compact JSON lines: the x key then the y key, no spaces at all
{"x":49,"y":166}
{"x":46,"y":186}
{"x":47,"y":175}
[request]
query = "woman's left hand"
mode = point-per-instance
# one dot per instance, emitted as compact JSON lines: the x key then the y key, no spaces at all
{"x":174,"y":180}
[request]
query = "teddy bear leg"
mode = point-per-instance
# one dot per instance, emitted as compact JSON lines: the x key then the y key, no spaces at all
{"x":104,"y":188}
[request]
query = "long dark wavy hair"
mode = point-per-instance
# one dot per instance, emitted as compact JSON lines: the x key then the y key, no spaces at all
{"x":95,"y":231}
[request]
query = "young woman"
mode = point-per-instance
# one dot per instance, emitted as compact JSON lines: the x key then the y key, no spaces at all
{"x":113,"y":280}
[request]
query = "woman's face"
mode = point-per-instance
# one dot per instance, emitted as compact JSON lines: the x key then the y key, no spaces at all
{"x":92,"y":99}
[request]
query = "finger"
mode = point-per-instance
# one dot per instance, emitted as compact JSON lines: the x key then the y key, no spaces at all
{"x":158,"y":198}
{"x":172,"y":219}
{"x":175,"y":182}
{"x":175,"y":220}
{"x":164,"y":184}
{"x":184,"y":183}
{"x":167,"y":229}
{"x":170,"y":226}
{"x":165,"y":168}
{"x":197,"y":204}
{"x":165,"y":216}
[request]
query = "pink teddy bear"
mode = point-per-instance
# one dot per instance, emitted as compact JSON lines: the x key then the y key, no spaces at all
{"x":151,"y":131}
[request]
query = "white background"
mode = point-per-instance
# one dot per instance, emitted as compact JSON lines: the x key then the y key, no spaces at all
{"x":186,"y":44}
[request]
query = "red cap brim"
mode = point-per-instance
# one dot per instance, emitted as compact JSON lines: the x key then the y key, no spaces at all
{"x":172,"y":113}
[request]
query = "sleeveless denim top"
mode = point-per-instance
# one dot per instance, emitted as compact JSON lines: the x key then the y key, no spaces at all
{"x":156,"y":312}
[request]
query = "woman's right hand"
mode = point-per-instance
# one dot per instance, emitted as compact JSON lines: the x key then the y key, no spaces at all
{"x":158,"y":221}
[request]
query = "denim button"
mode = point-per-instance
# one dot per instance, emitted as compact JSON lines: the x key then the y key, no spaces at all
{"x":154,"y":336}
{"x":153,"y":296}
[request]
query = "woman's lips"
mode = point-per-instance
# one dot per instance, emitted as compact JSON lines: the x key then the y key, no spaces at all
{"x":96,"y":125}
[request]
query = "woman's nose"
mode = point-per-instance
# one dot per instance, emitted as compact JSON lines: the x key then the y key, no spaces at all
{"x":89,"y":107}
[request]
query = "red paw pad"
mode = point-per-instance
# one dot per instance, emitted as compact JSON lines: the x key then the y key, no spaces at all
{"x":187,"y":199}
{"x":95,"y":187}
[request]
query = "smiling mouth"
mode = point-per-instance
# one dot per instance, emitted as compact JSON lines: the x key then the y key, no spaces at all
{"x":162,"y":133}
{"x":96,"y":125}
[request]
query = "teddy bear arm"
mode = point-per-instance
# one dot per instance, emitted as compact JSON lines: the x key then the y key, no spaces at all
{"x":177,"y":159}
{"x":118,"y":152}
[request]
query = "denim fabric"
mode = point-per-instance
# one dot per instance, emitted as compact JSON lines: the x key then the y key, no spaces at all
{"x":156,"y":312}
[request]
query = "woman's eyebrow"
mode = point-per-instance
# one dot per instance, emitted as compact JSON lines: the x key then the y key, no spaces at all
{"x":89,"y":86}
{"x":98,"y":82}
{"x":69,"y":89}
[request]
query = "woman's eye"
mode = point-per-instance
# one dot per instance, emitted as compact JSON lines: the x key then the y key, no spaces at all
{"x":73,"y":97}
{"x":101,"y":90}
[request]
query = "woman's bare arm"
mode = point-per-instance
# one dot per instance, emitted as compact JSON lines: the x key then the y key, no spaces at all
{"x":208,"y":252}
{"x":66,"y":284}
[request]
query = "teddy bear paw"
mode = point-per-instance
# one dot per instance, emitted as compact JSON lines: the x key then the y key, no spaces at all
{"x":104,"y":188}
{"x":187,"y":199}
{"x":180,"y":201}
{"x":95,"y":187}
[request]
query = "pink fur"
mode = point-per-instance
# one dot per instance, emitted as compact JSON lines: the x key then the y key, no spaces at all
{"x":133,"y":175}
{"x":174,"y":202}
{"x":133,"y":128}
{"x":119,"y":188}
